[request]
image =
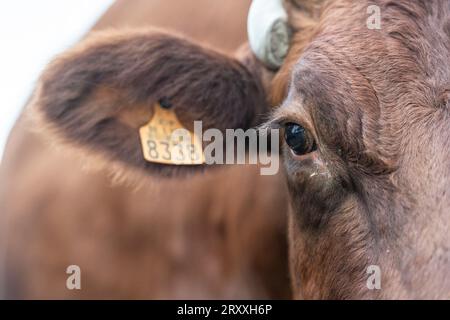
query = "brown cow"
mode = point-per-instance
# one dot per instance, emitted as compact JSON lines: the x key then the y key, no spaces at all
{"x":366,"y":119}
{"x":195,"y":237}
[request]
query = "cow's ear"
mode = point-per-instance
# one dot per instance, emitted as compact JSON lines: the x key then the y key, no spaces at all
{"x":97,"y":96}
{"x":303,"y":12}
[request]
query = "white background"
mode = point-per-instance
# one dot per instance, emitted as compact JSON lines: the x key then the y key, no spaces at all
{"x":31,"y":33}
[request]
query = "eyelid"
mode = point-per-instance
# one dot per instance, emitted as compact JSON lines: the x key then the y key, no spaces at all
{"x":277,"y":122}
{"x":282,"y":121}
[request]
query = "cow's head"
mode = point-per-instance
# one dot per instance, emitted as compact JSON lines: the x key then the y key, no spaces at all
{"x":366,"y":123}
{"x":365,"y":116}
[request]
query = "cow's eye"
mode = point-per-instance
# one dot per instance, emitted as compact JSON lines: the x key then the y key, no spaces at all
{"x":299,"y":139}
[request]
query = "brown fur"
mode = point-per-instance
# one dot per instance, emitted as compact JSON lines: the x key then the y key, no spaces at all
{"x":224,"y":26}
{"x":195,"y":237}
{"x":376,"y":191}
{"x":120,"y":75}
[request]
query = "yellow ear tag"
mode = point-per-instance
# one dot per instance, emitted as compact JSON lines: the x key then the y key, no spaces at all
{"x":165,"y":140}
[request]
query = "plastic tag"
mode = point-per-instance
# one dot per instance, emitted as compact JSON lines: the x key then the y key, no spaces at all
{"x":164,"y":140}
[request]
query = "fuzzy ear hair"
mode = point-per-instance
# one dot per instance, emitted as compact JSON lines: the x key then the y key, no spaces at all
{"x":97,"y":95}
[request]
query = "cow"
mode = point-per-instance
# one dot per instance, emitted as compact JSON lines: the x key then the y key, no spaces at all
{"x":363,"y":112}
{"x":365,"y":115}
{"x":217,"y":234}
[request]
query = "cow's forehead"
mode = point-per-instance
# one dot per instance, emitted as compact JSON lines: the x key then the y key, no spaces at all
{"x":403,"y":57}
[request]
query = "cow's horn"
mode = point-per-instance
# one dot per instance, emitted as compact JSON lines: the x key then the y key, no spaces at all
{"x":268,"y":32}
